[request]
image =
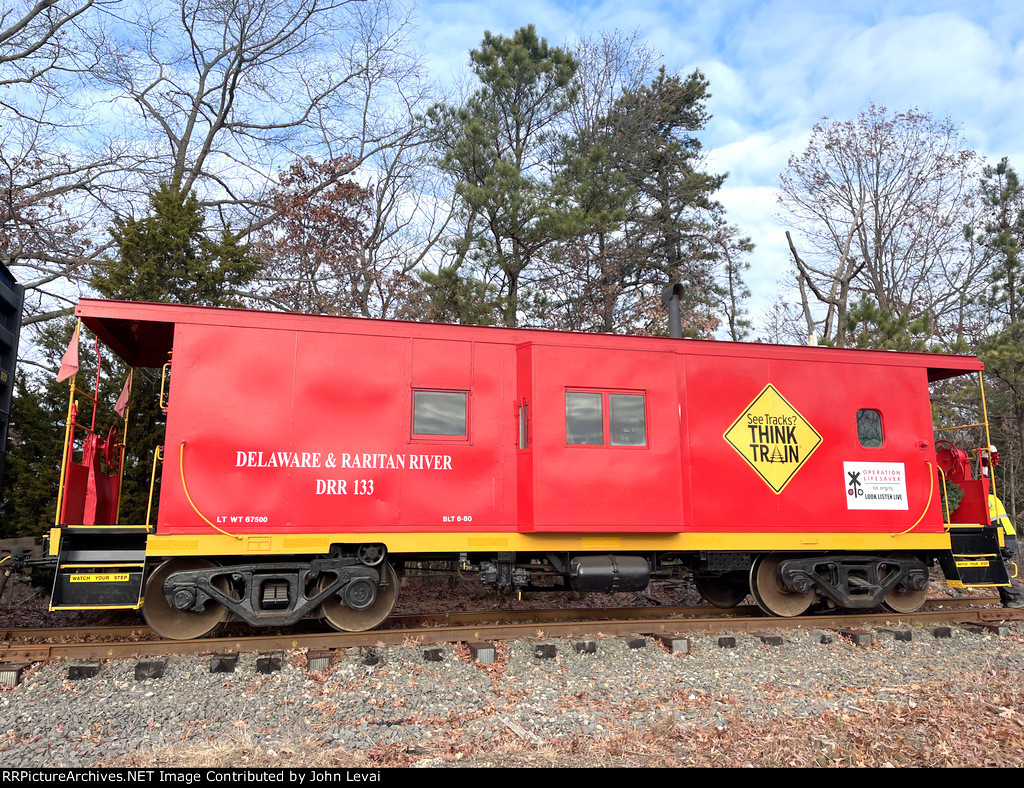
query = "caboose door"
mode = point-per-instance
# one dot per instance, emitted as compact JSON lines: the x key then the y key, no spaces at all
{"x":605,"y":444}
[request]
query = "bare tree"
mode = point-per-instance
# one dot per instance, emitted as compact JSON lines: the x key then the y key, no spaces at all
{"x":609,"y":65}
{"x":214,"y":97}
{"x":50,"y":214}
{"x":57,"y":167}
{"x":40,"y":40}
{"x":880,"y":204}
{"x":411,"y":213}
{"x":227,"y":92}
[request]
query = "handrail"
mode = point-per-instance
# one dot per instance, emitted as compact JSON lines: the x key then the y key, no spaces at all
{"x":988,"y":439}
{"x":96,"y":391}
{"x":157,"y":457}
{"x":124,"y":446}
{"x":181,"y":469}
{"x":72,"y":424}
{"x":945,"y":497}
{"x":961,"y":427}
{"x":163,"y":386}
{"x":927,"y":506}
{"x":68,"y":436}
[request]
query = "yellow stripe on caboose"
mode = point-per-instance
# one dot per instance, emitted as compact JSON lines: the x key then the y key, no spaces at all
{"x":427,"y":542}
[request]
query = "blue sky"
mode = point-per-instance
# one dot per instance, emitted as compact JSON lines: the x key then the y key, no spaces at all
{"x":776,"y":67}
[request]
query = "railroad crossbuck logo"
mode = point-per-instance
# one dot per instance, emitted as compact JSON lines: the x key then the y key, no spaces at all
{"x":773,"y":438}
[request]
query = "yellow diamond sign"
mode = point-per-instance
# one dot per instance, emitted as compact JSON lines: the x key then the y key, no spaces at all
{"x":773,"y":438}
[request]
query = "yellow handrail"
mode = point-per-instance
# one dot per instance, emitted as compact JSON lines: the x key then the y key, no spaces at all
{"x":960,"y":427}
{"x":163,"y":385}
{"x":988,"y":439}
{"x":181,"y":468}
{"x":157,"y":457}
{"x":64,"y":456}
{"x":931,"y":492}
{"x":67,"y":437}
{"x":945,"y":497}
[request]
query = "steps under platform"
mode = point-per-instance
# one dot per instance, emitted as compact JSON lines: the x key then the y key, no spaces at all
{"x":100,"y":567}
{"x":975,"y":560}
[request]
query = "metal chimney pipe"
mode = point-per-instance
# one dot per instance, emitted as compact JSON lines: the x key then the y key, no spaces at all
{"x":670,"y":297}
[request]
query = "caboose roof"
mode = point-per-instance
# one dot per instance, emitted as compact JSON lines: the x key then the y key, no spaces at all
{"x":142,"y":334}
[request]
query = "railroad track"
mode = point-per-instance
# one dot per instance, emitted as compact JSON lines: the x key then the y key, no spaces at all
{"x":41,"y":645}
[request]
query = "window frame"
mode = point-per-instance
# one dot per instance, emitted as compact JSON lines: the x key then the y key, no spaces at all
{"x":606,"y":416}
{"x":611,"y":437}
{"x":881,"y":428}
{"x":433,"y":437}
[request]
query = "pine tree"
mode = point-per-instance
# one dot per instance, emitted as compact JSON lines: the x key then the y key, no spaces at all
{"x":32,"y":472}
{"x":497,"y":147}
{"x":450,"y":297}
{"x":166,"y":256}
{"x":1002,"y":237}
{"x":872,"y":327}
{"x":675,"y":229}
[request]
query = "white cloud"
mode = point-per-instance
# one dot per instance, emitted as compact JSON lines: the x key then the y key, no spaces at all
{"x":777,"y":67}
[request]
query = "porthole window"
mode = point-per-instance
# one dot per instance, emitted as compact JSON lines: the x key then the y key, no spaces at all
{"x":439,"y":413}
{"x":869,"y":428}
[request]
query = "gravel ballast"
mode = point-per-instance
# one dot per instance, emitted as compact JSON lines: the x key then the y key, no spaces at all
{"x":394,"y":697}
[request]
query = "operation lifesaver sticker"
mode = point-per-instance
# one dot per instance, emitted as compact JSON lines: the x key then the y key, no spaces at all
{"x":875,"y":485}
{"x":773,"y":438}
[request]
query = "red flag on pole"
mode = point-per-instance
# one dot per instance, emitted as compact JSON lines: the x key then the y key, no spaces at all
{"x":69,"y":363}
{"x":122,"y":402}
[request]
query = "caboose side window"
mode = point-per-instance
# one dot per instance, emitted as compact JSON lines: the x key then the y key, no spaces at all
{"x":439,"y":413}
{"x":584,"y":419}
{"x":869,"y":428}
{"x":626,"y":415}
{"x":586,"y":422}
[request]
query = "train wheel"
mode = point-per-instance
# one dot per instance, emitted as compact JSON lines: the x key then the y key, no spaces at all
{"x":347,"y":619}
{"x":725,"y":590}
{"x":169,"y":622}
{"x":904,"y":601}
{"x":771,"y":597}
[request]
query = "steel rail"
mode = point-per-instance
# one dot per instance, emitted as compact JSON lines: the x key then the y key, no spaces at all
{"x":489,"y":626}
{"x":469,"y":618}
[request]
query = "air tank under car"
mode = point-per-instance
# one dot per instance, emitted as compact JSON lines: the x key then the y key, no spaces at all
{"x":609,"y":573}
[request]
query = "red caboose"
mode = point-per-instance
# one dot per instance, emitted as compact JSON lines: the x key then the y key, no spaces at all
{"x":307,"y":457}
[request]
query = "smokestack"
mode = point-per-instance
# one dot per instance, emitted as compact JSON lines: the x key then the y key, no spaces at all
{"x":670,"y":297}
